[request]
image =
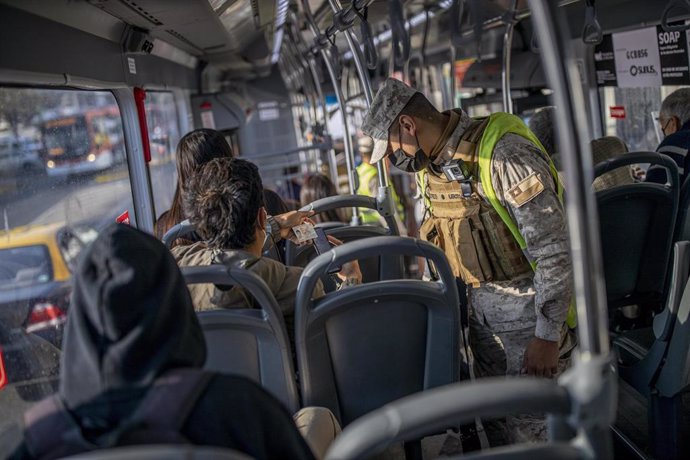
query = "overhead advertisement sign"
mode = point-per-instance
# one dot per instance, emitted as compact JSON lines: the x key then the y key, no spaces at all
{"x":637,"y":58}
{"x":673,"y":50}
{"x":647,"y":57}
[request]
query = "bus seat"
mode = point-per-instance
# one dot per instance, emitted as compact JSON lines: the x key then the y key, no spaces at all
{"x":447,"y":406}
{"x":354,"y":201}
{"x":373,"y":268}
{"x":642,"y":351}
{"x":636,"y":224}
{"x":158,"y":452}
{"x":252,"y":342}
{"x":662,"y":375}
{"x":177,"y":231}
{"x":682,"y":232}
{"x":412,"y":331}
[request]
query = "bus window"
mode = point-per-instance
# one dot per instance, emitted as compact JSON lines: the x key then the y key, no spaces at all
{"x":164,"y":134}
{"x":63,"y":177}
{"x":629,"y":113}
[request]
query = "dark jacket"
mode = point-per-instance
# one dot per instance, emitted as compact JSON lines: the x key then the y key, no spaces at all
{"x":676,"y":146}
{"x":131,"y":320}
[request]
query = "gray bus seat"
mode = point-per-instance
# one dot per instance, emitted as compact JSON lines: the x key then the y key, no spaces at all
{"x":682,"y":232}
{"x":179,"y":452}
{"x":654,"y":362}
{"x":449,"y":405}
{"x":636,"y":225}
{"x":180,"y":230}
{"x":412,"y":331}
{"x":642,"y":351}
{"x":252,"y":342}
{"x":374,"y":268}
{"x":355,"y":201}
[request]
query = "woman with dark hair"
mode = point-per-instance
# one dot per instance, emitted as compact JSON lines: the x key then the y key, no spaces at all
{"x":195,"y":149}
{"x":315,"y":187}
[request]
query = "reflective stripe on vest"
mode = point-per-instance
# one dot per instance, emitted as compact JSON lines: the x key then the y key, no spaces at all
{"x":499,"y":125}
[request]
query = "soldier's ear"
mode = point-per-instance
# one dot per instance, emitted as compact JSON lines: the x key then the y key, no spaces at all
{"x":407,"y":125}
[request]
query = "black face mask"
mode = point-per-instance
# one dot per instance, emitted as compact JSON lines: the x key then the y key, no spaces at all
{"x":407,"y":163}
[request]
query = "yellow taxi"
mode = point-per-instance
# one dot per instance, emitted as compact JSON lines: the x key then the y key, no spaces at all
{"x":35,"y":272}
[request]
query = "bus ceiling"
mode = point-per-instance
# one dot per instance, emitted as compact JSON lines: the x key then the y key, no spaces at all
{"x":206,"y":44}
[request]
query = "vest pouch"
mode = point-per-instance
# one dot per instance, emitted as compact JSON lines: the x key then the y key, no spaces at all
{"x":463,"y":248}
{"x":508,"y":254}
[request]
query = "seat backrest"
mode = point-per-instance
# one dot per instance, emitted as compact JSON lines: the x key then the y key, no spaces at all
{"x":385,"y":208}
{"x":162,"y":453}
{"x":411,"y":329}
{"x":251,"y":342}
{"x":674,"y":376}
{"x":373,"y":268}
{"x":682,"y":232}
{"x":680,"y":272}
{"x":435,"y":410}
{"x":180,"y":230}
{"x":636,"y":224}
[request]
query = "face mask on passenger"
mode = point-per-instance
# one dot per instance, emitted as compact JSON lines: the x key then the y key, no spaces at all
{"x":407,"y":163}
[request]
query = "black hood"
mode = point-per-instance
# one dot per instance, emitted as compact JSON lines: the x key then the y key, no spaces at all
{"x":131,"y":318}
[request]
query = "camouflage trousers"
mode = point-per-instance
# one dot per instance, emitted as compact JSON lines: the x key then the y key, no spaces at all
{"x":502,"y":322}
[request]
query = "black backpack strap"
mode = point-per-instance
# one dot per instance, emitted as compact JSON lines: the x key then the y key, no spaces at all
{"x":50,"y":430}
{"x":161,"y":415}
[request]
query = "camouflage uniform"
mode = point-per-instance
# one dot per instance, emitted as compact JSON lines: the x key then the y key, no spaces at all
{"x":506,"y":315}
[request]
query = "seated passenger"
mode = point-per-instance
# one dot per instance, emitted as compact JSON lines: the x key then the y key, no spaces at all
{"x":131,"y":369}
{"x":674,"y":120}
{"x":315,"y":187}
{"x":605,"y":148}
{"x":195,"y":149}
{"x":225,"y":204}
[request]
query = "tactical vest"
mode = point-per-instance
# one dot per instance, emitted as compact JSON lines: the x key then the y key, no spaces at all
{"x":479,"y":245}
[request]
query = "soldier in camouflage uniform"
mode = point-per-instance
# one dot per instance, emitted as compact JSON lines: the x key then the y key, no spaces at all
{"x":502,"y":227}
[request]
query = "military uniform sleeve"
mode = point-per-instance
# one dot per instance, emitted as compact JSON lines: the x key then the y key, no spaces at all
{"x":524,"y":185}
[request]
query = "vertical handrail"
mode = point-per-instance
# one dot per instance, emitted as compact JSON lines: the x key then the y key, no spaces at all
{"x":352,"y":179}
{"x":453,"y":83}
{"x":591,"y":383}
{"x":573,"y":138}
{"x":142,"y":198}
{"x":332,"y":166}
{"x":507,"y":55}
{"x":366,"y":83}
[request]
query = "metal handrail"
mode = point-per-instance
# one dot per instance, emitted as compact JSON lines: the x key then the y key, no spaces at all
{"x":507,"y":54}
{"x":352,"y":178}
{"x":573,"y":137}
{"x":306,"y":148}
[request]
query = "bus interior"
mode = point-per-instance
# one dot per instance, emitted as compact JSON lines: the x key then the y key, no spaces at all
{"x":96,"y":94}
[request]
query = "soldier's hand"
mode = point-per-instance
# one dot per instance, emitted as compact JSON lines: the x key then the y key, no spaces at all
{"x":541,"y":358}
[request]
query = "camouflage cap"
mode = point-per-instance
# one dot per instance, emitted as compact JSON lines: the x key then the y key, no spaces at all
{"x":391,"y":98}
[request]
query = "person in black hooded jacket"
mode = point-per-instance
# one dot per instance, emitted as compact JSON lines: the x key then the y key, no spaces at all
{"x":131,"y":321}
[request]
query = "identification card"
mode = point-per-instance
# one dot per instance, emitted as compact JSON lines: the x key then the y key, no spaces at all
{"x":304,"y":232}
